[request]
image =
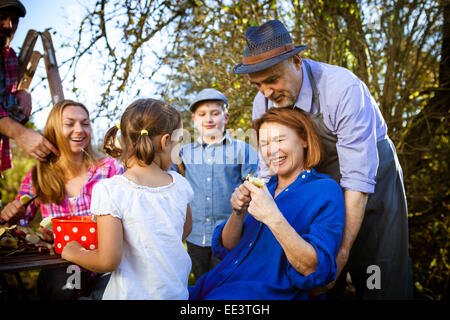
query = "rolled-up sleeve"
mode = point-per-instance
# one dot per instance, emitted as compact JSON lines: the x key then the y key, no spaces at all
{"x":324,"y":234}
{"x":355,"y":127}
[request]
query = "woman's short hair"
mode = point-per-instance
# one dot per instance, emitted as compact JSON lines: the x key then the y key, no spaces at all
{"x":302,"y":124}
{"x":154,"y":116}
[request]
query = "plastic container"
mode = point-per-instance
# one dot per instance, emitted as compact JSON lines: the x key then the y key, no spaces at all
{"x":81,"y":229}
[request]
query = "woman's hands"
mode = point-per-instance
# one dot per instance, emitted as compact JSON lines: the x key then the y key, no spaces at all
{"x":257,"y":201}
{"x":301,"y":254}
{"x":262,"y":206}
{"x":240,"y":199}
{"x":14,"y":210}
{"x":248,"y":198}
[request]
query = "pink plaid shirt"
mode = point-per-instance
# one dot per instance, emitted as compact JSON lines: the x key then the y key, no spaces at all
{"x":77,"y":206}
{"x":11,"y":69}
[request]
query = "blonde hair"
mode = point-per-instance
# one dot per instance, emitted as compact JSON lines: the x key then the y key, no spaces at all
{"x":49,"y":178}
{"x":153,"y":116}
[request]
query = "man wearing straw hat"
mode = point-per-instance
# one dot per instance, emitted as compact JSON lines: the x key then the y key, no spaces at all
{"x":360,"y":156}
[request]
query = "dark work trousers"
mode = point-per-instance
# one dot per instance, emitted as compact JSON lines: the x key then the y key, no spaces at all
{"x":379,"y":263}
{"x":202,"y":259}
{"x":59,"y":284}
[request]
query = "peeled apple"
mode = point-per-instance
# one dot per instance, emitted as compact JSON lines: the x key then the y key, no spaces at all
{"x":256,"y":181}
{"x":25,"y":198}
{"x":46,"y":223}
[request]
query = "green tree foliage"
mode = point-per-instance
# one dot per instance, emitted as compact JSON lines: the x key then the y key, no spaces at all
{"x":10,"y":183}
{"x":398,"y":48}
{"x":12,"y":178}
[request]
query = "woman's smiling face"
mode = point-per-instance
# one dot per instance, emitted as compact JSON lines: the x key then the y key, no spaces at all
{"x":282,"y":150}
{"x":76,"y":128}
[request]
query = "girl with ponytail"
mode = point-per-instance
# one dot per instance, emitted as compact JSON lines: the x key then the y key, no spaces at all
{"x":63,"y":184}
{"x":143,"y":216}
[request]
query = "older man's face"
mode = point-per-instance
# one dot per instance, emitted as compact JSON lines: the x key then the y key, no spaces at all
{"x":9,"y":20}
{"x":281,"y":83}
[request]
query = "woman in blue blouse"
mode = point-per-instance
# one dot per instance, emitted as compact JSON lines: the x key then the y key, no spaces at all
{"x":287,"y":245}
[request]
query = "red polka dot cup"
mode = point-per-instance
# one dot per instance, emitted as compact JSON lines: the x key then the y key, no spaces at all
{"x":81,"y":229}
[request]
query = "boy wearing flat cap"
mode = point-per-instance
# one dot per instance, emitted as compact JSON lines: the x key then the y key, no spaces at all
{"x":215,"y":164}
{"x":360,"y":156}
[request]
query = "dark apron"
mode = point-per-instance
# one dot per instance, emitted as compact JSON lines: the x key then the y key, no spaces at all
{"x":383,"y":238}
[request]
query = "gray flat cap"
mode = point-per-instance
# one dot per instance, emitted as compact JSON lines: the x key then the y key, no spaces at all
{"x":206,"y":95}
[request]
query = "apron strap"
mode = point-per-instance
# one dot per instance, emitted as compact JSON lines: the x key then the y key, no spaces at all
{"x":313,"y":85}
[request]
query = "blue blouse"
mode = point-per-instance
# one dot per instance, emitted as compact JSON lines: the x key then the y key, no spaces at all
{"x":257,"y":268}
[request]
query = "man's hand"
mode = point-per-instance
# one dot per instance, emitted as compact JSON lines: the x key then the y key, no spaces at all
{"x":29,"y":140}
{"x":35,"y":144}
{"x":24,"y":100}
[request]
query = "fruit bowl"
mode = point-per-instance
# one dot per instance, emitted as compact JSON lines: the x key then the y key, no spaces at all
{"x":74,"y":228}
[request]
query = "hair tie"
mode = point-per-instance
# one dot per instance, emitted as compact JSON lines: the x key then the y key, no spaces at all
{"x":118,"y":126}
{"x":143,"y":131}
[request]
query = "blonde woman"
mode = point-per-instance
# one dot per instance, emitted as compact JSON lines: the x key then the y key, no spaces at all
{"x":63,"y":184}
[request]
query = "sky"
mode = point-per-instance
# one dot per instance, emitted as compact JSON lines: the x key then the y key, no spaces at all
{"x":62,"y":16}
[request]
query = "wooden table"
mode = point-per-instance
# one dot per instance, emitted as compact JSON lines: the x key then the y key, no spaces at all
{"x":27,"y":261}
{"x":31,"y":261}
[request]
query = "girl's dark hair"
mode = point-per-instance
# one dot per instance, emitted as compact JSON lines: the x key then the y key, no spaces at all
{"x":154,"y":116}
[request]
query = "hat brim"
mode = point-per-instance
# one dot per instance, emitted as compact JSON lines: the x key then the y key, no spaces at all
{"x":250,"y":68}
{"x":14,"y":5}
{"x":194,"y":105}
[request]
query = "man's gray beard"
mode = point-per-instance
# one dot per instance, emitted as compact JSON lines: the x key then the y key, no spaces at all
{"x":288,"y":106}
{"x":290,"y":103}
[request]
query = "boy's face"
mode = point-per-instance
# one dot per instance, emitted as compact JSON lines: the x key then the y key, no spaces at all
{"x":210,"y":120}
